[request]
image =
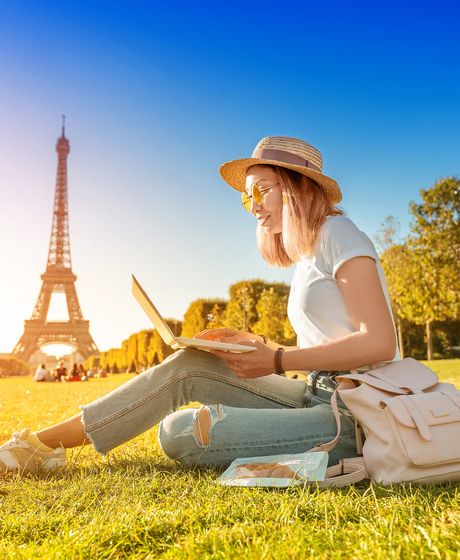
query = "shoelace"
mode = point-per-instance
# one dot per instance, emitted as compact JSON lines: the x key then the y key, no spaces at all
{"x":14,"y":441}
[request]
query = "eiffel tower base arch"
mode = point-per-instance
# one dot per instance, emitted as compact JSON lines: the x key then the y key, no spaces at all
{"x":36,"y":334}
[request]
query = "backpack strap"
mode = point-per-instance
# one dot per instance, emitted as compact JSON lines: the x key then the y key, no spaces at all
{"x":329,"y":446}
{"x":348,"y":471}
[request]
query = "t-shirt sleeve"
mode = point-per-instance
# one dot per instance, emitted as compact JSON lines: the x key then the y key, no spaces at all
{"x":343,"y":241}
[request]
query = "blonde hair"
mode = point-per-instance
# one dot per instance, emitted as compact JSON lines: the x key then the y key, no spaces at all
{"x":305,"y":207}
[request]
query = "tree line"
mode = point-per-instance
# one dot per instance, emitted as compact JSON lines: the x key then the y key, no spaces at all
{"x":138,"y":352}
{"x":12,"y":366}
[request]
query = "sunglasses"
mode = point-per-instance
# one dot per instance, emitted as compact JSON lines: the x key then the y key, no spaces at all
{"x":257,"y":194}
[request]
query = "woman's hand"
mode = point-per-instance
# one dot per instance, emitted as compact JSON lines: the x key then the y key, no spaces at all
{"x":258,"y":363}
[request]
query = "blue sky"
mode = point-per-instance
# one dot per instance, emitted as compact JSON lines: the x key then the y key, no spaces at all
{"x":157,"y":96}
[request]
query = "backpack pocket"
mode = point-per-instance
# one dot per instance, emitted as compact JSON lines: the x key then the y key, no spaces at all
{"x":427,"y":425}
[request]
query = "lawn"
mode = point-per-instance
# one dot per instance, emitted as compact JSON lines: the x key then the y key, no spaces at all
{"x":136,"y":503}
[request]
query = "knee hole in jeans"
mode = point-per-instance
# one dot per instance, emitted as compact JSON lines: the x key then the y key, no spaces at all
{"x":205,"y":420}
{"x":188,"y":430}
{"x":203,"y":426}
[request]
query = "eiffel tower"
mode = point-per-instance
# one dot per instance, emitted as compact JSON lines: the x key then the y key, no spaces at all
{"x":58,"y":277}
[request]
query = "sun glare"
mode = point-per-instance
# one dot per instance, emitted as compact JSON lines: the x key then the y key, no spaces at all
{"x":57,"y":350}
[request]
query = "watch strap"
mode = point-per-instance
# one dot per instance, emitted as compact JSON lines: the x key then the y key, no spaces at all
{"x":278,"y":364}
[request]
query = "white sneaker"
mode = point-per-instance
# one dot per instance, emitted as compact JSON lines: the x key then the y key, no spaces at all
{"x":21,"y":455}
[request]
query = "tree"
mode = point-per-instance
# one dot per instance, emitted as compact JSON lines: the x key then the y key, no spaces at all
{"x":388,"y":234}
{"x":435,"y":242}
{"x":92,"y":362}
{"x":216,"y":317}
{"x":122,"y":355}
{"x":200,"y":315}
{"x":273,"y":322}
{"x":130,"y":359}
{"x":241,"y":310}
{"x":260,"y":307}
{"x":399,"y":268}
{"x":143,"y":342}
{"x":132,"y":368}
{"x":158,"y":350}
{"x":391,"y":251}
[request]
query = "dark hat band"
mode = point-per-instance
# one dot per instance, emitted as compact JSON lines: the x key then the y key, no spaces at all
{"x":284,"y":157}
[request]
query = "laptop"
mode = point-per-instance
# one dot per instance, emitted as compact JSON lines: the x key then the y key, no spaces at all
{"x":179,"y":341}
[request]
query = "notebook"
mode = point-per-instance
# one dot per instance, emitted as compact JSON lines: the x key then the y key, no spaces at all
{"x":179,"y":341}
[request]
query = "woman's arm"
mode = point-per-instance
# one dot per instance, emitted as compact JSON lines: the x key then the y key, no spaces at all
{"x":374,"y":340}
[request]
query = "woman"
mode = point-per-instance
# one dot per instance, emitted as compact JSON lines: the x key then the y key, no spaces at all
{"x":338,"y":306}
{"x":74,"y":373}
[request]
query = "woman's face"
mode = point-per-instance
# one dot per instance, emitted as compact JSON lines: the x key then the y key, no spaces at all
{"x":269,"y":211}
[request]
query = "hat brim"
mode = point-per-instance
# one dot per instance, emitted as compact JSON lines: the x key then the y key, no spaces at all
{"x":234,"y":174}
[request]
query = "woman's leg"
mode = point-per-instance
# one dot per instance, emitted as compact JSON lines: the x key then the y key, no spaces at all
{"x":186,"y":376}
{"x":237,"y":432}
{"x":69,"y":433}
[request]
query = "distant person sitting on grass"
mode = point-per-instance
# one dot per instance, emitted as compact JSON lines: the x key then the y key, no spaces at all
{"x":338,"y":306}
{"x":41,"y":373}
{"x":61,"y":372}
{"x":74,"y":374}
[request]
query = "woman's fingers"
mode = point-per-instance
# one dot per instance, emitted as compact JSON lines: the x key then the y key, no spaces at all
{"x":250,"y":364}
{"x":231,"y":359}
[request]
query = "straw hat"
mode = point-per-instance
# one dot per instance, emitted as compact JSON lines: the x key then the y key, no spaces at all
{"x":282,"y":151}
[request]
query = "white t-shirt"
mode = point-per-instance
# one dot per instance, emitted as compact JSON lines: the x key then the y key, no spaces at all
{"x":40,"y":374}
{"x":316,"y":308}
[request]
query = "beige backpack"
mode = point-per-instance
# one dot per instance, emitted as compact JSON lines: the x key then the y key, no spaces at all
{"x":411,"y":423}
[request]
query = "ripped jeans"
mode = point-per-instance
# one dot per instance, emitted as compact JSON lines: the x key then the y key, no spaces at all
{"x":244,"y":417}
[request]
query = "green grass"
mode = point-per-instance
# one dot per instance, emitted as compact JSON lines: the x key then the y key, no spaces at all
{"x":136,"y":503}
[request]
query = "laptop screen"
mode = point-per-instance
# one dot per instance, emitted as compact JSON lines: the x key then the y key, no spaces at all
{"x":159,"y":323}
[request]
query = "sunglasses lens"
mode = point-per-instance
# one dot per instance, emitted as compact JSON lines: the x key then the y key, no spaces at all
{"x":246,"y":201}
{"x":246,"y":198}
{"x":257,"y":194}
